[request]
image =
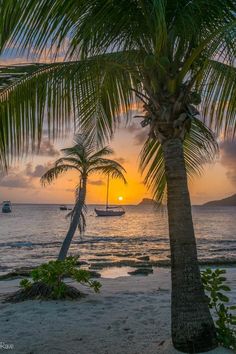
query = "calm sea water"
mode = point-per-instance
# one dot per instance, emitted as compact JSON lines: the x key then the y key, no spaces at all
{"x":32,"y":234}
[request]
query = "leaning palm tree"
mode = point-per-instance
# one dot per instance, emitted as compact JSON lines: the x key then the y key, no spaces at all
{"x":175,"y":59}
{"x":85,"y":159}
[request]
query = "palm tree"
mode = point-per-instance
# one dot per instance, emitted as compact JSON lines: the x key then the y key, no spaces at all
{"x":176,"y":60}
{"x":85,"y":159}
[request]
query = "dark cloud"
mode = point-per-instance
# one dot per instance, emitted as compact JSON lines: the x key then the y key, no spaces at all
{"x":98,"y":182}
{"x":48,"y":149}
{"x":228,"y":159}
{"x":24,"y":179}
{"x":15,"y":181}
{"x":37,"y":171}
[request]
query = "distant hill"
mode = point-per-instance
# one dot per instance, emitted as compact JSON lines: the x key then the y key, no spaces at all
{"x":147,"y":202}
{"x":230,"y":201}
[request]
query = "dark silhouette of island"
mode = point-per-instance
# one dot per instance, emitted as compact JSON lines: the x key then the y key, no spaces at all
{"x":147,"y":202}
{"x":230,"y":201}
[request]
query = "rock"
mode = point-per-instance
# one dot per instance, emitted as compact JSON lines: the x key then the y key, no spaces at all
{"x":79,"y":263}
{"x":18,"y":273}
{"x":144,"y":258}
{"x":103,"y":254}
{"x":141,"y":271}
{"x":123,"y":254}
{"x":98,"y":260}
{"x":143,"y":265}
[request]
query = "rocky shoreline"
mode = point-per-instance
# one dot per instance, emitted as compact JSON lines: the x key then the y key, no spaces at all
{"x":142,"y":265}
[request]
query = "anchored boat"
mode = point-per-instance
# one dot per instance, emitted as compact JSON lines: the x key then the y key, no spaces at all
{"x":64,"y":207}
{"x":6,"y":206}
{"x":109,"y":210}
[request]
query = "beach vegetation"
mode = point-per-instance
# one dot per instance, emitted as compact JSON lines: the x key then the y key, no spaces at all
{"x":85,"y":159}
{"x":173,"y":62}
{"x":215,"y":284}
{"x":47,"y":282}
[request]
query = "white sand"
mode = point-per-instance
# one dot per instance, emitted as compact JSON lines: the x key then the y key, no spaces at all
{"x":131,"y":315}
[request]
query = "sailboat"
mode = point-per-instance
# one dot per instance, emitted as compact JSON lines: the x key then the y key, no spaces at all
{"x":109,"y":210}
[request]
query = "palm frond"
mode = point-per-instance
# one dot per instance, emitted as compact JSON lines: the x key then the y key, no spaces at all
{"x":106,"y":150}
{"x":95,"y":26}
{"x":91,"y":26}
{"x":218,"y":87}
{"x":54,"y":173}
{"x":11,"y":74}
{"x":90,"y":92}
{"x":108,"y":167}
{"x":200,"y":147}
{"x":68,"y":160}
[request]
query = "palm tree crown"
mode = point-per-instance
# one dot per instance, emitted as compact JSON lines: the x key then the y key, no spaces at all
{"x":84,"y":158}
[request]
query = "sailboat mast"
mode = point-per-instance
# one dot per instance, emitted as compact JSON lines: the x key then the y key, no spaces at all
{"x":108,"y":180}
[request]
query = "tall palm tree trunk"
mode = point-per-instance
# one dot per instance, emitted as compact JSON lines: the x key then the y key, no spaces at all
{"x":74,"y":221}
{"x":193,"y":329}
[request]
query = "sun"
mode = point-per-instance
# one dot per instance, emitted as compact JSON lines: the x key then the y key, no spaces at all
{"x":120,"y":198}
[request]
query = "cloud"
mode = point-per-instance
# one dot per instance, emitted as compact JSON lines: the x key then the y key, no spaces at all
{"x":98,"y":182}
{"x":15,"y":181}
{"x":228,"y":159}
{"x":37,"y":171}
{"x":24,"y":179}
{"x":48,"y":149}
{"x":17,"y":178}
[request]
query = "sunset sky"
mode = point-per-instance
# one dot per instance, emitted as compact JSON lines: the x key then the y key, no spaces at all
{"x":22,"y":184}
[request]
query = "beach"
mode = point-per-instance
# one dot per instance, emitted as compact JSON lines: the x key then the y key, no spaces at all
{"x":130,"y":315}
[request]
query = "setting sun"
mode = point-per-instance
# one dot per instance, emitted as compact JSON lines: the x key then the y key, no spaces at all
{"x":120,"y":198}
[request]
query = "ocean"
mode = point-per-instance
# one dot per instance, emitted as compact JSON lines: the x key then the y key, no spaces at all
{"x":32,"y":234}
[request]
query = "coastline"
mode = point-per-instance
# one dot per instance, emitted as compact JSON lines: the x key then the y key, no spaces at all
{"x":130,"y":315}
{"x":99,"y":266}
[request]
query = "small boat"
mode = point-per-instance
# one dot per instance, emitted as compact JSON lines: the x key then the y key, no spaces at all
{"x":109,"y":210}
{"x":6,"y":206}
{"x":64,"y":207}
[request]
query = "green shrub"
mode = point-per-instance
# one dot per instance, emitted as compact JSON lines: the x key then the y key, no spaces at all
{"x":47,"y":280}
{"x":215,"y":286}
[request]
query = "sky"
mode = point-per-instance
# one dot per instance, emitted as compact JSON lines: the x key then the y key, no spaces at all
{"x":22,"y":184}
